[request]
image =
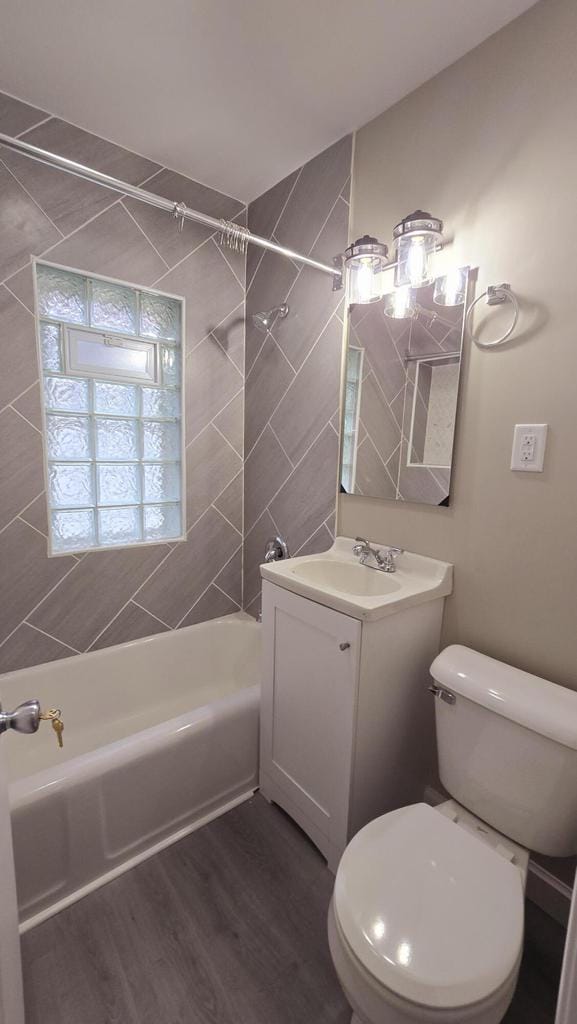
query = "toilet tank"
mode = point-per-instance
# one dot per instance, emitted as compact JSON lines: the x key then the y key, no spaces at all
{"x":507,"y":748}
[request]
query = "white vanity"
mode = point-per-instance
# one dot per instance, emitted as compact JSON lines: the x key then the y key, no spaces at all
{"x":347,"y":728}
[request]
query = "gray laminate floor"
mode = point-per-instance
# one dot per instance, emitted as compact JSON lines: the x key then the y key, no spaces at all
{"x":226,"y":926}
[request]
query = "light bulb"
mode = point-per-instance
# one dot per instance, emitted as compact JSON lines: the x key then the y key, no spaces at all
{"x":417,"y":262}
{"x":400,"y":304}
{"x":450,"y":289}
{"x":365,"y":279}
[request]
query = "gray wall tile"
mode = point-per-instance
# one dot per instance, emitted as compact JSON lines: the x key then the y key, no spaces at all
{"x":229,"y":503}
{"x":132,"y":623}
{"x":211,"y":464}
{"x":320,"y":183}
{"x":266,"y":469}
{"x":212,"y":380}
{"x":212,"y":605}
{"x":17,"y":348}
{"x":24,"y":228}
{"x":67,"y":200}
{"x":230,"y":422}
{"x":27,"y":646}
{"x":229,"y":579}
{"x":21,"y":469}
{"x":265,"y":386}
{"x":308,"y":496}
{"x":27,"y":574}
{"x":16,"y":117}
{"x":254,"y":547}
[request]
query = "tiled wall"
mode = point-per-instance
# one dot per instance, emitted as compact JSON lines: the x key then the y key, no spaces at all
{"x":293,"y":373}
{"x":51,"y":608}
{"x":387,"y":400}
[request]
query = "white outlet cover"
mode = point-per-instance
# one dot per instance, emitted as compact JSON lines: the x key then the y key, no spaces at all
{"x":529,"y":440}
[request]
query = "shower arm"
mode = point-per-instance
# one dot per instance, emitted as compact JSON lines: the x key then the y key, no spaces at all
{"x":237,"y":235}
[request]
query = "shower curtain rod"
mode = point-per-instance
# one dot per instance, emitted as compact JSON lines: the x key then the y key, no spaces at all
{"x":180,"y":211}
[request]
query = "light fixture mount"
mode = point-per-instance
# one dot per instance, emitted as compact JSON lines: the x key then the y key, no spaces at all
{"x":366,"y":246}
{"x":418,"y":223}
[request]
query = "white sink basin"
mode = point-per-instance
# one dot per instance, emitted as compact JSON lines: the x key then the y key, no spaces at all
{"x":337,"y":579}
{"x":346,"y":578}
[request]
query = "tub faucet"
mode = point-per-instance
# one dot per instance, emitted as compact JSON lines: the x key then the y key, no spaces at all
{"x":385,"y":558}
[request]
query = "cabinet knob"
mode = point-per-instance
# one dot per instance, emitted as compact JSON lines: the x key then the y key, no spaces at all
{"x":344,"y":646}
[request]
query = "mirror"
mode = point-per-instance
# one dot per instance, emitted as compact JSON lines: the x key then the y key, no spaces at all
{"x":400,"y":397}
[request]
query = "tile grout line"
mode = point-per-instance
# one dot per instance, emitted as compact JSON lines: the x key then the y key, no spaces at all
{"x":31,"y":197}
{"x":19,"y":514}
{"x":281,"y":445}
{"x":226,"y":260}
{"x":143,"y":232}
{"x":15,"y":296}
{"x":281,"y":399}
{"x":199,"y":598}
{"x":18,"y":397}
{"x":50,"y":637}
{"x":131,"y":598}
{"x":51,"y":591}
{"x":35,"y":528}
{"x":219,"y":431}
{"x":213,"y":584}
{"x":49,"y":117}
{"x":26,"y":420}
{"x":211,"y":422}
{"x":146,"y":611}
{"x":277,"y":222}
{"x":235,"y":528}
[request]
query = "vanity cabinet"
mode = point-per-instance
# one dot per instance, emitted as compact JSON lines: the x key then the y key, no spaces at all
{"x":347,"y":725}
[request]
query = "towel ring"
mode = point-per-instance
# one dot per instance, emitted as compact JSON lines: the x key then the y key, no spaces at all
{"x":496,"y":295}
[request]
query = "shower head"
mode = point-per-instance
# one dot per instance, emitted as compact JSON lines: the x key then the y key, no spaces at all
{"x":266,"y":318}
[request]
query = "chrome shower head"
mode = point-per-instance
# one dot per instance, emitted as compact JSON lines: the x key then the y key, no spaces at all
{"x":266,"y":318}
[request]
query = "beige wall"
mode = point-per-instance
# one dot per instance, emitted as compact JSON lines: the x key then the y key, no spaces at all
{"x":490,"y":145}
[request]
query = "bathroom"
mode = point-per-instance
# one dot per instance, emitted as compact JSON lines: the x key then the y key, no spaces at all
{"x":288,"y":543}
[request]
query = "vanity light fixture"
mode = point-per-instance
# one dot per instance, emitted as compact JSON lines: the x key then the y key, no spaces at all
{"x":417,"y":237}
{"x":400,"y":304}
{"x":365,"y":261}
{"x":450,"y":290}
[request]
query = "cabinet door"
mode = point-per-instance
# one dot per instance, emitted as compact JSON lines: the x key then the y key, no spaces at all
{"x":311,"y":660}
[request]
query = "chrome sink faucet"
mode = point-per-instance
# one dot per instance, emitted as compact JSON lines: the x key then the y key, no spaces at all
{"x":385,"y":558}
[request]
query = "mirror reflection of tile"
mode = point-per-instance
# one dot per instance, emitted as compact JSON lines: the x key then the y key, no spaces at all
{"x":400,"y":413}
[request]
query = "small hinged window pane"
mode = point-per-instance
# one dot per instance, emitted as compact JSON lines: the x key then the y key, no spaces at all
{"x":101,"y":355}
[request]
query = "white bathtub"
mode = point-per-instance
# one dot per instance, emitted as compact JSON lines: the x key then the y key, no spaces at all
{"x":160,"y":736}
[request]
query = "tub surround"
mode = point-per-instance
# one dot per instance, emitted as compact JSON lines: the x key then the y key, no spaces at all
{"x":293,"y":373}
{"x":56,"y":607}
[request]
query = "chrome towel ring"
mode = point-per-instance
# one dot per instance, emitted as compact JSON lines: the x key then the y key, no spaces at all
{"x":496,"y":295}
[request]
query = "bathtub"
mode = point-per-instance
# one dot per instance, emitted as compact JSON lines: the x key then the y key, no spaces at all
{"x":160,"y":736}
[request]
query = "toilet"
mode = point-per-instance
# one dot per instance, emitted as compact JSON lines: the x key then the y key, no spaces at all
{"x":426,"y":919}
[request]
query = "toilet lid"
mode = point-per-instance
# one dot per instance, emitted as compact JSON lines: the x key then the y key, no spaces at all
{"x":431,"y":912}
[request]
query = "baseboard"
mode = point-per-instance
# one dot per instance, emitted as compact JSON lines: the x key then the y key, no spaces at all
{"x":543,"y":888}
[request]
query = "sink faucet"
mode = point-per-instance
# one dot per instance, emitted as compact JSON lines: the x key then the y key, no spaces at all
{"x":385,"y":559}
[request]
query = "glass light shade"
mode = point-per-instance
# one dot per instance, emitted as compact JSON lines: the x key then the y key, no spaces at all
{"x":400,"y":304}
{"x":450,"y":290}
{"x":365,"y":261}
{"x":414,"y":260}
{"x":416,"y":238}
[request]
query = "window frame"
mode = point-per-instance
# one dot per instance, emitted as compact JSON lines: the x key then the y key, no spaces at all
{"x":90,"y":378}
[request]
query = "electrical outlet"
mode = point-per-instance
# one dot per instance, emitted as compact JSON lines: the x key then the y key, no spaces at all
{"x":528,"y":453}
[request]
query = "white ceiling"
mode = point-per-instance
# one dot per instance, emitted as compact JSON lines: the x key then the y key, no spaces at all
{"x":234,"y":93}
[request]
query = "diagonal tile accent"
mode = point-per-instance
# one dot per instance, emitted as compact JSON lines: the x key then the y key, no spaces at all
{"x":372,"y":476}
{"x":188,"y":571}
{"x":319,"y":542}
{"x":17,"y":117}
{"x":264,"y":216}
{"x":265,"y":386}
{"x":378,"y":419}
{"x":319,"y":184}
{"x":67,"y":200}
{"x":27,"y":646}
{"x":270,"y":287}
{"x":254,"y":546}
{"x":27,"y":573}
{"x":173,"y":245}
{"x":230,"y":578}
{"x":212,"y":605}
{"x":21,"y":468}
{"x":17,"y":348}
{"x":28,"y":405}
{"x":24,"y":228}
{"x":230,"y":336}
{"x":210,"y":288}
{"x":308,"y":496}
{"x":229,"y":503}
{"x":211,"y":464}
{"x":310,"y":400}
{"x":211,"y":382}
{"x":230,"y":422}
{"x":36,"y":514}
{"x":266,"y":469}
{"x":132,"y":623}
{"x":94,"y":593}
{"x":112,"y":245}
{"x":311,"y":302}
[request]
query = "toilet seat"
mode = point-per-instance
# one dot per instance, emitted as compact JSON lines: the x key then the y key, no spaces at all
{"x":432,"y":913}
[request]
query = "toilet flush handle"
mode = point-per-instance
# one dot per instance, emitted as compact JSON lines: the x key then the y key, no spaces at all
{"x":443,"y":694}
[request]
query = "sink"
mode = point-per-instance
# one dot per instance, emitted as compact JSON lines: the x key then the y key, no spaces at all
{"x":337,"y":579}
{"x":359,"y":580}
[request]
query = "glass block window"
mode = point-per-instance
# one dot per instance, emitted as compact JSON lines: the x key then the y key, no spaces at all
{"x":110,"y":357}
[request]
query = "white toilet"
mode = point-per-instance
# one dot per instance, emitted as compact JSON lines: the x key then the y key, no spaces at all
{"x":426,"y":920}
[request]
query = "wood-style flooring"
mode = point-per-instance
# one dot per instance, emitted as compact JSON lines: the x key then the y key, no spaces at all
{"x":227,"y":926}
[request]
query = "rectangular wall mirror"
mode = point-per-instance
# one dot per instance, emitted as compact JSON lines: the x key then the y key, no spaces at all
{"x":400,"y":397}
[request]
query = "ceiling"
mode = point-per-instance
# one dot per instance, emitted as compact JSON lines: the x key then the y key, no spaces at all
{"x":233,"y":93}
